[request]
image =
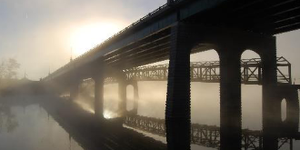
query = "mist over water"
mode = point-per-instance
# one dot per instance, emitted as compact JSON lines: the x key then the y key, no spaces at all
{"x":205,"y":99}
{"x":205,"y":103}
{"x":35,"y":130}
{"x":38,"y":37}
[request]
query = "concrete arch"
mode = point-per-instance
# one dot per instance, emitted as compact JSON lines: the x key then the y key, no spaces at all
{"x":227,"y":39}
{"x":283,"y":110}
{"x":230,"y":44}
{"x":251,"y":94}
{"x":205,"y":55}
{"x":249,"y":53}
{"x":129,"y":97}
{"x":289,"y":109}
{"x":132,"y":104}
{"x":111,"y":100}
{"x":250,"y":73}
{"x":205,"y":97}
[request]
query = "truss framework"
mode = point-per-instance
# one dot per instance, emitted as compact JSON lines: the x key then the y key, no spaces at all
{"x":209,"y":71}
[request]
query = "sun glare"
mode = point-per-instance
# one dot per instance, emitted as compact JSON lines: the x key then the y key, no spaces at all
{"x":86,"y":37}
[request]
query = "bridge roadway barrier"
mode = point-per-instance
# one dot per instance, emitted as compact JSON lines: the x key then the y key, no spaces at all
{"x":204,"y":135}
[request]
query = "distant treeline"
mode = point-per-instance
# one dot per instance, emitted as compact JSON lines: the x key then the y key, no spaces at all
{"x":9,"y":82}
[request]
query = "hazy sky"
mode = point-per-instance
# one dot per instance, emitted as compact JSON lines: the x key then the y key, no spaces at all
{"x":41,"y":33}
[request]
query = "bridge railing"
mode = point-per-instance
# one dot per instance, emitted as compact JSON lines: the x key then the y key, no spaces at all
{"x":97,"y":47}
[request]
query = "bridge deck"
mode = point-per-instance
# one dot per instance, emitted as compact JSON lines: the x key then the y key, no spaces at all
{"x":147,"y":40}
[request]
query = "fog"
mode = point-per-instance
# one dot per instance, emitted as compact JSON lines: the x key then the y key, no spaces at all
{"x":47,"y":28}
{"x":38,"y":37}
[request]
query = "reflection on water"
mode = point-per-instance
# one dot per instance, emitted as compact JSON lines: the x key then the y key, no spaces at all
{"x":8,"y":120}
{"x":85,"y":106}
{"x":108,"y":114}
{"x":205,"y":104}
{"x":30,"y":128}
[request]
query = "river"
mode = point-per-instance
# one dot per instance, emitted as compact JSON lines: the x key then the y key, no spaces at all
{"x":29,"y":127}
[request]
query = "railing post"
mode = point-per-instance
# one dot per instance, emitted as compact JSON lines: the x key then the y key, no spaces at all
{"x":291,"y":124}
{"x":178,"y":115}
{"x":290,"y":73}
{"x":246,"y":69}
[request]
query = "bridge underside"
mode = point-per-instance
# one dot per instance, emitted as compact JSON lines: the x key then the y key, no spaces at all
{"x":266,"y":17}
{"x":260,"y":16}
{"x":177,"y":43}
{"x":149,"y":38}
{"x":174,"y":32}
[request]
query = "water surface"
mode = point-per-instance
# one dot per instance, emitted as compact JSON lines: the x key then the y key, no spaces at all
{"x":31,"y":128}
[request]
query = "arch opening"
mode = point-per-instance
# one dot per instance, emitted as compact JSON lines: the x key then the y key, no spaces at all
{"x":130,"y":97}
{"x":111,"y":100}
{"x":86,"y":95}
{"x":251,"y":90}
{"x":205,"y":96}
{"x":205,"y":99}
{"x":152,"y":89}
{"x":283,"y":110}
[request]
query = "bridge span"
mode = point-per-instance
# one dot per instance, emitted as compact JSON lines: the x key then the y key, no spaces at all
{"x":209,"y":71}
{"x":180,"y":28}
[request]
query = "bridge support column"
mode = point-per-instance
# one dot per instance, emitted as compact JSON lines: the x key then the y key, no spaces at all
{"x":74,"y":91}
{"x":136,"y":98}
{"x":99,"y":83}
{"x":122,"y":94}
{"x":230,"y":100}
{"x":178,"y":111}
{"x":271,"y":101}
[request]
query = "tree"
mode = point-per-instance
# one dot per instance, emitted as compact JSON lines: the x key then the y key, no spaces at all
{"x":2,"y":70}
{"x":8,"y":69}
{"x":11,"y":68}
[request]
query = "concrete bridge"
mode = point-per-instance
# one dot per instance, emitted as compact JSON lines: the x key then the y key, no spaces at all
{"x":180,"y":28}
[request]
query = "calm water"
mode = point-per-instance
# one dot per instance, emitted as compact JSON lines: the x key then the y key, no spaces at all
{"x":205,"y":108}
{"x":30,"y":128}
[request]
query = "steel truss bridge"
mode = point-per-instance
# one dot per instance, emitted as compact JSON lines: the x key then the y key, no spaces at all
{"x":203,"y":135}
{"x":209,"y":71}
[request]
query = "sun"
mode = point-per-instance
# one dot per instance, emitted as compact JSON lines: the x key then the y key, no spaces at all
{"x":88,"y":36}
